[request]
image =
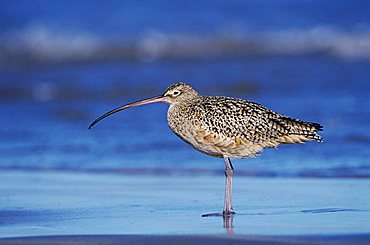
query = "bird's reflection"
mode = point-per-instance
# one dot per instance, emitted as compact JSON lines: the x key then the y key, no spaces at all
{"x":228,"y":223}
{"x":228,"y":220}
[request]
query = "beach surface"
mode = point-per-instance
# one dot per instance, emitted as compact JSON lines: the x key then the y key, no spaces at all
{"x":97,"y":207}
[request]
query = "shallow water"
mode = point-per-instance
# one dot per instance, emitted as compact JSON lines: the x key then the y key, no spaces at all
{"x":62,"y":66}
{"x":46,"y":111}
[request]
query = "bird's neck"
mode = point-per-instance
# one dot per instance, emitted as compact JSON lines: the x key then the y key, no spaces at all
{"x":185,"y":103}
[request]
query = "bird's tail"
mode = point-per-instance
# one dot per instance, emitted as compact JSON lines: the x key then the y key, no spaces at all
{"x":305,"y":130}
{"x":313,"y":135}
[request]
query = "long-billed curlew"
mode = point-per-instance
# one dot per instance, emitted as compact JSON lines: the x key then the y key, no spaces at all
{"x":226,"y":127}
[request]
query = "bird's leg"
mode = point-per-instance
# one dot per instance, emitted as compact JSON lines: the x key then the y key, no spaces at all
{"x":229,"y":171}
{"x":228,"y":209}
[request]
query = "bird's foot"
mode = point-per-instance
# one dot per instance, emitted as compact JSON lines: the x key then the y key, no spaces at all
{"x":224,"y":213}
{"x":228,"y":213}
{"x":213,"y":215}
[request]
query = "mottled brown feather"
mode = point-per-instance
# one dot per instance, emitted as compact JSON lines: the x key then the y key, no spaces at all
{"x":222,"y":126}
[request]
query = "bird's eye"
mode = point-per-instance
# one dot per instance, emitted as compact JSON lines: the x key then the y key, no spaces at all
{"x":176,"y":92}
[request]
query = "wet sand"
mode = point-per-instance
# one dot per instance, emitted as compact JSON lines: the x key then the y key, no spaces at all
{"x":136,"y":209}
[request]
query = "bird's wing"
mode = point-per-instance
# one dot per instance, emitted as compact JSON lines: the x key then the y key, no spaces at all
{"x":238,"y":118}
{"x":252,"y":122}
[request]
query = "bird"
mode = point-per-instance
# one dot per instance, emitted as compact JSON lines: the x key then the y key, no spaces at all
{"x":226,"y":127}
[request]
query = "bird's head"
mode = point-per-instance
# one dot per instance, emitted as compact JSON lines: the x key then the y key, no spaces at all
{"x":178,"y":93}
{"x":174,"y":94}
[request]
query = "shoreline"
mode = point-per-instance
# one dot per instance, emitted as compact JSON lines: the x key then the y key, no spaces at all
{"x":189,"y":239}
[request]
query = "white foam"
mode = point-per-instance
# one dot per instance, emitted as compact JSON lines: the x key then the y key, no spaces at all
{"x":350,"y":44}
{"x":45,"y":44}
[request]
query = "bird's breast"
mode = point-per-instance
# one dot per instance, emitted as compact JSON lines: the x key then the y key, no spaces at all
{"x":190,"y":127}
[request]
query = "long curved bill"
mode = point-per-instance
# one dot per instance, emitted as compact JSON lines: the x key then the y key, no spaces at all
{"x":138,"y":103}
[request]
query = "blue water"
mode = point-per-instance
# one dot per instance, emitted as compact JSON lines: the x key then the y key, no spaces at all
{"x":63,"y":65}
